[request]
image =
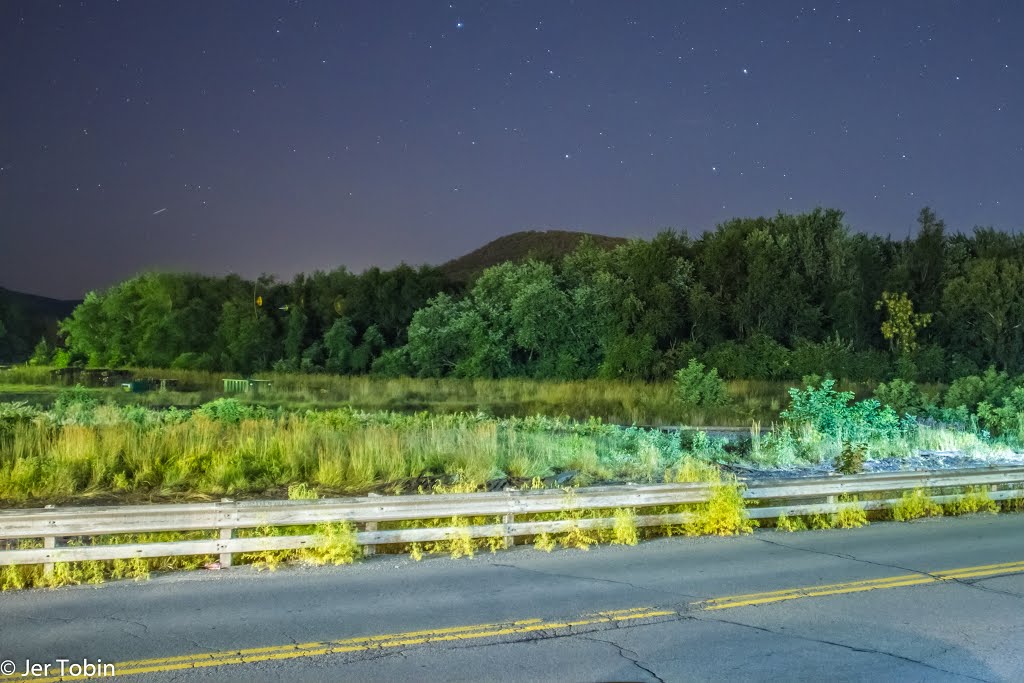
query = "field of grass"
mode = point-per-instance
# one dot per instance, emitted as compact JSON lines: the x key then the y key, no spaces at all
{"x":617,"y":402}
{"x":83,"y":449}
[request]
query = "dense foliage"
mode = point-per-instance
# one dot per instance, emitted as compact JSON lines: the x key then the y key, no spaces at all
{"x":762,"y":298}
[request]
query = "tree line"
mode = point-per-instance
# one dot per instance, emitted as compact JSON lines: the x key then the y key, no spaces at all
{"x":761,"y":298}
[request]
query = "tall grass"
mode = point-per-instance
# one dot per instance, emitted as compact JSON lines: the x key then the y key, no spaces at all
{"x":79,"y":450}
{"x":621,"y":402}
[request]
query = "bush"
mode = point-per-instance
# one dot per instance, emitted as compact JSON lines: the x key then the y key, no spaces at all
{"x":193,"y":361}
{"x":991,"y":387}
{"x":832,"y":414}
{"x":851,"y":460}
{"x":393,"y":363}
{"x":697,"y":388}
{"x":1007,"y":419}
{"x":75,"y":406}
{"x":730,"y":358}
{"x":230,"y":411}
{"x":902,"y":396}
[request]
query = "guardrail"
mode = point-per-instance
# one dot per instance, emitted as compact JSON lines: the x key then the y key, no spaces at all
{"x":767,"y":499}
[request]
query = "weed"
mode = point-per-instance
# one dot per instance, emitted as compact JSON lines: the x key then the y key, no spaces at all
{"x":822,"y":522}
{"x":915,"y":505}
{"x":790,"y":524}
{"x":624,"y":530}
{"x":1015,"y":504}
{"x":975,"y":499}
{"x":725,"y":513}
{"x":851,"y":460}
{"x":461,"y":544}
{"x":849,"y":516}
{"x":690,"y":469}
{"x":544,"y":542}
{"x":336,"y":544}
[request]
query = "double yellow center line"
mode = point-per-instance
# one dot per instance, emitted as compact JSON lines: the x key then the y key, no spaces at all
{"x":917,"y":579}
{"x":526,"y":626}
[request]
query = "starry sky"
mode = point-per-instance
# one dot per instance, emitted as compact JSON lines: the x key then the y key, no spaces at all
{"x":280,"y":137}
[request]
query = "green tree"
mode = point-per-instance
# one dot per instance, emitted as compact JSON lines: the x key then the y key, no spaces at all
{"x":901,"y":324}
{"x":985,"y":312}
{"x":247,"y":338}
{"x":41,"y":354}
{"x":337,"y":345}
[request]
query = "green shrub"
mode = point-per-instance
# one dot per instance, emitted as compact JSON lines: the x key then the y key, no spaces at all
{"x":75,"y":406}
{"x":832,"y":414}
{"x":902,"y":396}
{"x":991,"y":387}
{"x":697,"y":388}
{"x":1006,"y":419}
{"x":229,"y":410}
{"x":851,"y":460}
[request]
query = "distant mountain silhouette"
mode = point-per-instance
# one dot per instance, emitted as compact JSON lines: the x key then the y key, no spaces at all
{"x":545,"y":245}
{"x":25,"y":319}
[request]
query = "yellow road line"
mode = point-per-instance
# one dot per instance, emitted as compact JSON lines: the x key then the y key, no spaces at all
{"x":859,"y":586}
{"x":493,"y":630}
{"x":286,"y":652}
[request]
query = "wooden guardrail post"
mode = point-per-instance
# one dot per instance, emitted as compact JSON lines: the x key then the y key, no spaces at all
{"x":49,"y":543}
{"x":369,"y":549}
{"x":509,"y":519}
{"x":370,"y":526}
{"x":226,"y":534}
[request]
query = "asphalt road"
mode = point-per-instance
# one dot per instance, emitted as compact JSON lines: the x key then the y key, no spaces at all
{"x":936,"y":600}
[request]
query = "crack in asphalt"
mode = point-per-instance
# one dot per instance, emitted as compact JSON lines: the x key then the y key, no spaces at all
{"x":845,"y":556}
{"x":852,"y":648}
{"x":594,"y":578}
{"x":145,"y":629}
{"x":975,"y":583}
{"x":695,"y":615}
{"x":635,"y":659}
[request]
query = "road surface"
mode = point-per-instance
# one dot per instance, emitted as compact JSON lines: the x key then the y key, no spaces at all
{"x":938,"y":600}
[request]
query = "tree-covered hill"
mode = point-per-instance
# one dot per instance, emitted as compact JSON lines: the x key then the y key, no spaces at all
{"x":542,"y":245}
{"x":25,"y":319}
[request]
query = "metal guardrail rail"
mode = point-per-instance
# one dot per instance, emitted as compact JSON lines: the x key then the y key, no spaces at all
{"x":767,"y":499}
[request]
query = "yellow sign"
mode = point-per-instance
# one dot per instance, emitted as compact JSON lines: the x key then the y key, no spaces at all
{"x":259,"y":301}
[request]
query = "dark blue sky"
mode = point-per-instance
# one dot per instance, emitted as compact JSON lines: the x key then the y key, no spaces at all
{"x":289,"y":136}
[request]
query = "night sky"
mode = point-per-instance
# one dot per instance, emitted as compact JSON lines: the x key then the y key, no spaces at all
{"x":281,"y":137}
